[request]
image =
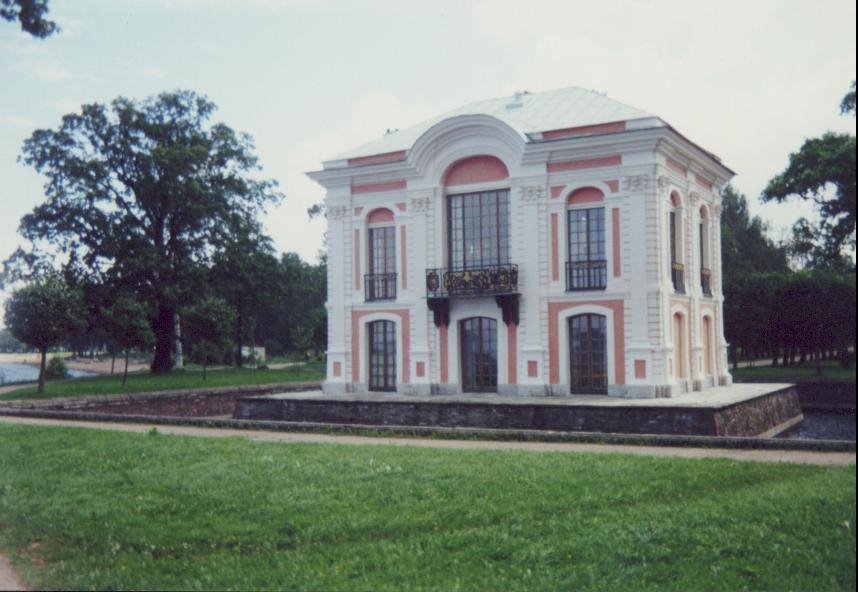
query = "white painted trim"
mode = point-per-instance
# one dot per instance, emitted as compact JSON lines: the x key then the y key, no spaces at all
{"x":363,"y":341}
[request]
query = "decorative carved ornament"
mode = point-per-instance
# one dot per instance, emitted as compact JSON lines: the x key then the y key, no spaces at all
{"x":420,"y":205}
{"x":337,"y":213}
{"x":636,"y":183}
{"x":531,"y":193}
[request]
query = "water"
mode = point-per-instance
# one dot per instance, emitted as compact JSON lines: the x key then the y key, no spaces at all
{"x":824,"y":426}
{"x":26,"y":373}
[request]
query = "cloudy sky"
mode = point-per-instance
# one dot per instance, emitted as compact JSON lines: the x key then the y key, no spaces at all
{"x":309,"y":79}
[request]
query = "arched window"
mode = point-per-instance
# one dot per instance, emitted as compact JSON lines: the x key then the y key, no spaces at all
{"x":705,"y":265}
{"x":380,"y":282}
{"x":707,"y":346}
{"x":677,"y":268}
{"x":479,"y":354}
{"x":679,"y":364}
{"x":586,"y":268}
{"x":382,"y":355}
{"x":588,"y":353}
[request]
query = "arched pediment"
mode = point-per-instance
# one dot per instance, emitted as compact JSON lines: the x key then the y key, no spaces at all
{"x":463,"y":136}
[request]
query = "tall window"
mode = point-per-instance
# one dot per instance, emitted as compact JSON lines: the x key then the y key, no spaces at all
{"x":478,"y":230}
{"x":705,"y":270}
{"x":677,"y":269}
{"x":381,"y":280}
{"x":382,"y":355}
{"x":586,"y":268}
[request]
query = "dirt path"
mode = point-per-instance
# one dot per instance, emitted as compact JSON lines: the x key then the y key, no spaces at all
{"x":9,"y":580}
{"x":791,"y":456}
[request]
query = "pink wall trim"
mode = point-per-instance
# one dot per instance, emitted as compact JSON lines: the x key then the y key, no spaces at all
{"x":404,"y":316}
{"x":379,"y":215}
{"x":703,"y":182}
{"x":613,"y":184}
{"x":401,"y":207}
{"x":358,"y":211}
{"x":615,"y":240}
{"x":512,"y":353}
{"x":680,"y":355}
{"x":357,"y":259}
{"x":585,"y":195}
{"x":676,"y":166}
{"x":532,"y":368}
{"x":587,"y":163}
{"x":555,"y":256}
{"x":442,"y":338}
{"x":556,"y":191}
{"x":476,"y":169}
{"x":420,"y":369}
{"x":338,"y":369}
{"x":377,"y":158}
{"x":403,"y":258}
{"x":640,"y":369}
{"x":554,"y":310}
{"x":379,"y":187}
{"x":599,"y":128}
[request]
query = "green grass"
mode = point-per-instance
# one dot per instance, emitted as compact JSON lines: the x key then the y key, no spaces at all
{"x":186,"y":379}
{"x":831,"y":370}
{"x":107,"y":510}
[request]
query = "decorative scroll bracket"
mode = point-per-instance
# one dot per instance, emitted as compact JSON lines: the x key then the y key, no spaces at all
{"x":508,"y":304}
{"x":440,"y":308}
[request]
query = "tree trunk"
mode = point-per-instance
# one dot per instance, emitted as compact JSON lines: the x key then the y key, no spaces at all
{"x":42,"y":364}
{"x":112,"y":362}
{"x":163,"y":330}
{"x":177,"y":338}
{"x":125,"y":373}
{"x":205,"y":360}
{"x":238,"y":321}
{"x":819,"y":362}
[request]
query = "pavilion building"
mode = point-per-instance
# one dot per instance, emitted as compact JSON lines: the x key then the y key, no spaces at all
{"x":549,"y":243}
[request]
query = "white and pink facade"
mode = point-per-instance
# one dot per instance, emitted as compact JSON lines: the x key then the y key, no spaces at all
{"x":541,"y":244}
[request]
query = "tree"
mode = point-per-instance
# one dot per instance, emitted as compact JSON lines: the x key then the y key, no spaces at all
{"x":127,"y":325}
{"x":244,"y":273}
{"x":42,"y":315}
{"x":745,"y":246}
{"x":32,"y":14}
{"x":144,"y":194}
{"x":207,"y":324}
{"x":823,"y":171}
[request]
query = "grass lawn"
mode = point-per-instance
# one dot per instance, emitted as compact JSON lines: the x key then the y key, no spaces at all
{"x":87,"y":509}
{"x":182,"y":379}
{"x":831,"y":370}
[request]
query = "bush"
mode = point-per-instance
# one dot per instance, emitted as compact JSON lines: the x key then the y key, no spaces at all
{"x":56,"y":369}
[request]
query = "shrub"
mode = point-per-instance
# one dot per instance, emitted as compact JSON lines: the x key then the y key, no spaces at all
{"x":56,"y":369}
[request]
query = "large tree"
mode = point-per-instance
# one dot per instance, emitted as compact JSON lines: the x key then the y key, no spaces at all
{"x":823,"y":171}
{"x":145,"y":194}
{"x":43,"y":314}
{"x":32,"y":14}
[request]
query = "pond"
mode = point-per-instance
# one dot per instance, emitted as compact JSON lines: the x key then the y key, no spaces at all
{"x":26,"y":373}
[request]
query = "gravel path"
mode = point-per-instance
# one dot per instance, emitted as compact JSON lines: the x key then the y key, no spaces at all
{"x":9,"y":580}
{"x":792,"y":456}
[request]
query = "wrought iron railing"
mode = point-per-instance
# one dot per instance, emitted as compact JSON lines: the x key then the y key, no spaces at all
{"x":706,"y":281}
{"x":586,"y":275}
{"x":479,"y":281}
{"x":677,"y":276}
{"x":379,"y":286}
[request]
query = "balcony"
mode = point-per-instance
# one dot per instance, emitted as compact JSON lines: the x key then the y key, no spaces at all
{"x":379,"y":286}
{"x":443,"y":282}
{"x":706,"y":281}
{"x":586,"y":275}
{"x":677,"y":276}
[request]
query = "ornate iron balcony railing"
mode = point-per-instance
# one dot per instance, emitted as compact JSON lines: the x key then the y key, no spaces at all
{"x":586,"y":275}
{"x":706,"y":281}
{"x":473,"y":281}
{"x":379,"y":286}
{"x":677,"y":276}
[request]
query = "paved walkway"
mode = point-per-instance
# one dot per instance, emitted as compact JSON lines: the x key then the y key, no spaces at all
{"x":791,"y":456}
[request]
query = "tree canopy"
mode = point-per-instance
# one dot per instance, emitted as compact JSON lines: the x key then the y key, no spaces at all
{"x":43,"y":314}
{"x":143,"y":195}
{"x":32,"y":14}
{"x":822,"y":171}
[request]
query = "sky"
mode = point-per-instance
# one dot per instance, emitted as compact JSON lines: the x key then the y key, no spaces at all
{"x":308,"y":79}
